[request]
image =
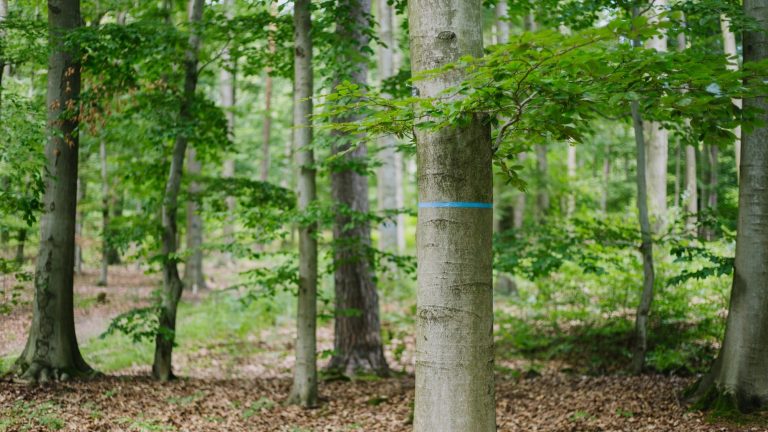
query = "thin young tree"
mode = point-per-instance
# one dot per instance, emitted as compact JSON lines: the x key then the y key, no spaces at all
{"x":51,"y":352}
{"x":194,"y":276}
{"x":304,"y":390}
{"x":357,"y":339}
{"x":454,"y":330}
{"x":105,"y":249}
{"x":172,"y":284}
{"x":738,"y":378}
{"x":228,"y":98}
{"x":729,"y":48}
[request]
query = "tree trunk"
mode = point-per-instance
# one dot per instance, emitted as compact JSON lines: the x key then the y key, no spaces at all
{"x":21,"y":240}
{"x":390,"y":175}
{"x":518,"y":214}
{"x":51,"y":351}
{"x":103,"y":275}
{"x":542,"y":198}
{"x":228,"y":97}
{"x":657,"y":142}
{"x":571,"y":205}
{"x":691,"y":188}
{"x":729,"y":48}
{"x":172,"y":285}
{"x":678,"y":157}
{"x":454,"y":330}
{"x":304,"y":390}
{"x":712,"y":186}
{"x":79,"y":217}
{"x":646,"y":248}
{"x":502,"y":22}
{"x":606,"y":179}
{"x":357,"y":342}
{"x":194,"y":277}
{"x":738,"y":379}
{"x":266,"y":132}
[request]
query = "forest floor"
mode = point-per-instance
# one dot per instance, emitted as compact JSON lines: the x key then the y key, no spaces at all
{"x":239,"y":382}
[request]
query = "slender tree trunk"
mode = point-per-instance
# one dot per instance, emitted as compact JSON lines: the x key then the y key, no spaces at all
{"x":606,"y":179}
{"x":502,"y":22}
{"x":571,"y":162}
{"x":304,"y":390}
{"x":51,"y":351}
{"x":80,"y":216}
{"x":678,"y":158}
{"x":390,"y":173}
{"x":103,"y":275}
{"x":657,"y":142}
{"x":646,"y":248}
{"x":739,"y":377}
{"x":194,"y":276}
{"x":228,"y":98}
{"x":454,"y":330}
{"x":729,"y":48}
{"x":691,"y":188}
{"x":5,"y":234}
{"x":172,"y":285}
{"x":113,"y":255}
{"x":542,"y":165}
{"x":712,"y":186}
{"x":357,"y":342}
{"x":267,"y":128}
{"x":21,"y":240}
{"x":518,"y":215}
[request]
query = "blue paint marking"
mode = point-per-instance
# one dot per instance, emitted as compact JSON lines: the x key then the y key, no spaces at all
{"x":455,"y":204}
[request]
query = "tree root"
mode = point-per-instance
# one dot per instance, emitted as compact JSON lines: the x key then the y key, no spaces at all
{"x":40,"y":373}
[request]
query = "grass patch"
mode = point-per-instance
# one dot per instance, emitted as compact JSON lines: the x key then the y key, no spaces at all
{"x":28,"y":416}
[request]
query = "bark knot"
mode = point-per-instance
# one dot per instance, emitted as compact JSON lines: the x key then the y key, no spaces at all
{"x":446,"y":35}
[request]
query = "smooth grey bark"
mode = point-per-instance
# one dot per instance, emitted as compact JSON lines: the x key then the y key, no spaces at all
{"x":454,"y":330}
{"x":712,"y":159}
{"x":571,"y":166}
{"x":172,"y":285}
{"x":266,"y":131}
{"x":228,"y":97}
{"x":502,"y":22}
{"x":606,"y":179}
{"x":51,"y":351}
{"x":542,"y":166}
{"x":518,"y":213}
{"x":739,"y":377}
{"x":104,"y":273}
{"x":79,"y":217}
{"x":678,"y":157}
{"x":646,"y":247}
{"x":304,"y":390}
{"x":691,"y":189}
{"x":357,"y":342}
{"x":194,"y":276}
{"x":657,"y":140}
{"x":729,"y":48}
{"x":390,"y":173}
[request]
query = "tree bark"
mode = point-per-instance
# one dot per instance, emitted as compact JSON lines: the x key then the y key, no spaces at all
{"x":712,"y":158}
{"x":51,"y":351}
{"x":104,"y":273}
{"x":79,"y":217}
{"x":729,"y":48}
{"x":228,"y":98}
{"x":606,"y":179}
{"x":657,"y":141}
{"x":194,"y":276}
{"x":172,"y":285}
{"x":21,"y":239}
{"x":542,"y":166}
{"x":266,"y":131}
{"x":304,"y":390}
{"x":691,"y":189}
{"x":518,"y":213}
{"x":571,"y":162}
{"x":390,"y":173}
{"x":454,"y":330}
{"x":357,"y":343}
{"x":646,"y":248}
{"x":502,"y":22}
{"x":738,"y":379}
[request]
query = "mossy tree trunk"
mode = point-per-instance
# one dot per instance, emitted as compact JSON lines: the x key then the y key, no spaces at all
{"x":51,"y":351}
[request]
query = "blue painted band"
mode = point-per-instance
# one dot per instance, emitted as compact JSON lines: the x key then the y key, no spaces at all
{"x":454,"y":204}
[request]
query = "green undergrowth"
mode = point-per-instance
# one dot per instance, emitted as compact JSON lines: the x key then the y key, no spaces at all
{"x":31,"y":416}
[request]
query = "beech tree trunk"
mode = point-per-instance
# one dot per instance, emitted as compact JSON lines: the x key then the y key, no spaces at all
{"x":542,"y":165}
{"x":571,"y":163}
{"x":172,"y":285}
{"x":304,"y":390}
{"x":227,"y":90}
{"x":194,"y":277}
{"x":738,"y":379}
{"x":266,"y":132}
{"x":79,"y":217}
{"x":104,"y":273}
{"x":51,"y":351}
{"x":518,"y":213}
{"x":657,"y":141}
{"x":729,"y":48}
{"x":454,"y":330}
{"x":691,"y":189}
{"x":357,"y":343}
{"x":390,"y":173}
{"x":646,"y":247}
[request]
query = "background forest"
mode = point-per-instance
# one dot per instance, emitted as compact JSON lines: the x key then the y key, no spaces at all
{"x":209,"y":214}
